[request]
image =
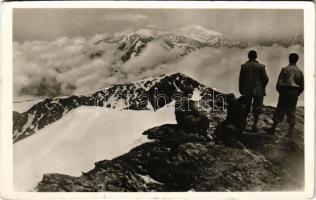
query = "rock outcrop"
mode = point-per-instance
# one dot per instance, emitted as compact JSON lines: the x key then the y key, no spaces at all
{"x":178,"y":161}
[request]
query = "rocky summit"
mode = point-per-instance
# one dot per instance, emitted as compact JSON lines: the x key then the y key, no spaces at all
{"x":174,"y":160}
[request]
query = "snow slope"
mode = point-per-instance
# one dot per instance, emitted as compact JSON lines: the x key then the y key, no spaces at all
{"x":83,"y":136}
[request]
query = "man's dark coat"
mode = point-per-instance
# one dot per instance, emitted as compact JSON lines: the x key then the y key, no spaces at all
{"x":253,"y":79}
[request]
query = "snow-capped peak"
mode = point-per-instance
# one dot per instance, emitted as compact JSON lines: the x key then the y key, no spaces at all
{"x":144,"y":31}
{"x":198,"y":32}
{"x":194,"y":27}
{"x":125,"y":32}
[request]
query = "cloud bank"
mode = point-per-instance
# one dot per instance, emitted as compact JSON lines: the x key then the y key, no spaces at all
{"x":64,"y":66}
{"x":219,"y":67}
{"x":61,"y":67}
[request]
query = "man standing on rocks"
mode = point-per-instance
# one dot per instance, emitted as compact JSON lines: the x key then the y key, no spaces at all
{"x":253,"y":80}
{"x":290,"y":85}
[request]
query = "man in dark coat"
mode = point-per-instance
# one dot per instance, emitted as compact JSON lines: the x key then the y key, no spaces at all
{"x":290,"y":85}
{"x":253,"y":80}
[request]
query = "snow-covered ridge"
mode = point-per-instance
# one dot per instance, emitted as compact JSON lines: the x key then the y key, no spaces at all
{"x":131,"y":42}
{"x":82,"y":137}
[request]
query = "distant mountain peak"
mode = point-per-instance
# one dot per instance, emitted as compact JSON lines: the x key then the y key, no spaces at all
{"x":143,"y":31}
{"x":195,"y":27}
{"x":198,"y":32}
{"x":146,"y":32}
{"x":125,"y":32}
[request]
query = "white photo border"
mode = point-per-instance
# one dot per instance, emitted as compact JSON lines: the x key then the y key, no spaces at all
{"x":6,"y":122}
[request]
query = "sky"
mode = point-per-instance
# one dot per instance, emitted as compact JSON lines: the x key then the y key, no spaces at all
{"x":50,"y":24}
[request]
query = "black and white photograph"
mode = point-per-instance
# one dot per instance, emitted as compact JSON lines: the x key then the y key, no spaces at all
{"x":159,"y":99}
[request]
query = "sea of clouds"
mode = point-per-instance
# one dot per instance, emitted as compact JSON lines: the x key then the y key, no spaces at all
{"x":64,"y":66}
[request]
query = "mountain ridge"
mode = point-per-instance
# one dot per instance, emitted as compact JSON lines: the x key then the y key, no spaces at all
{"x":211,"y":38}
{"x":131,"y":42}
{"x":139,"y":95}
